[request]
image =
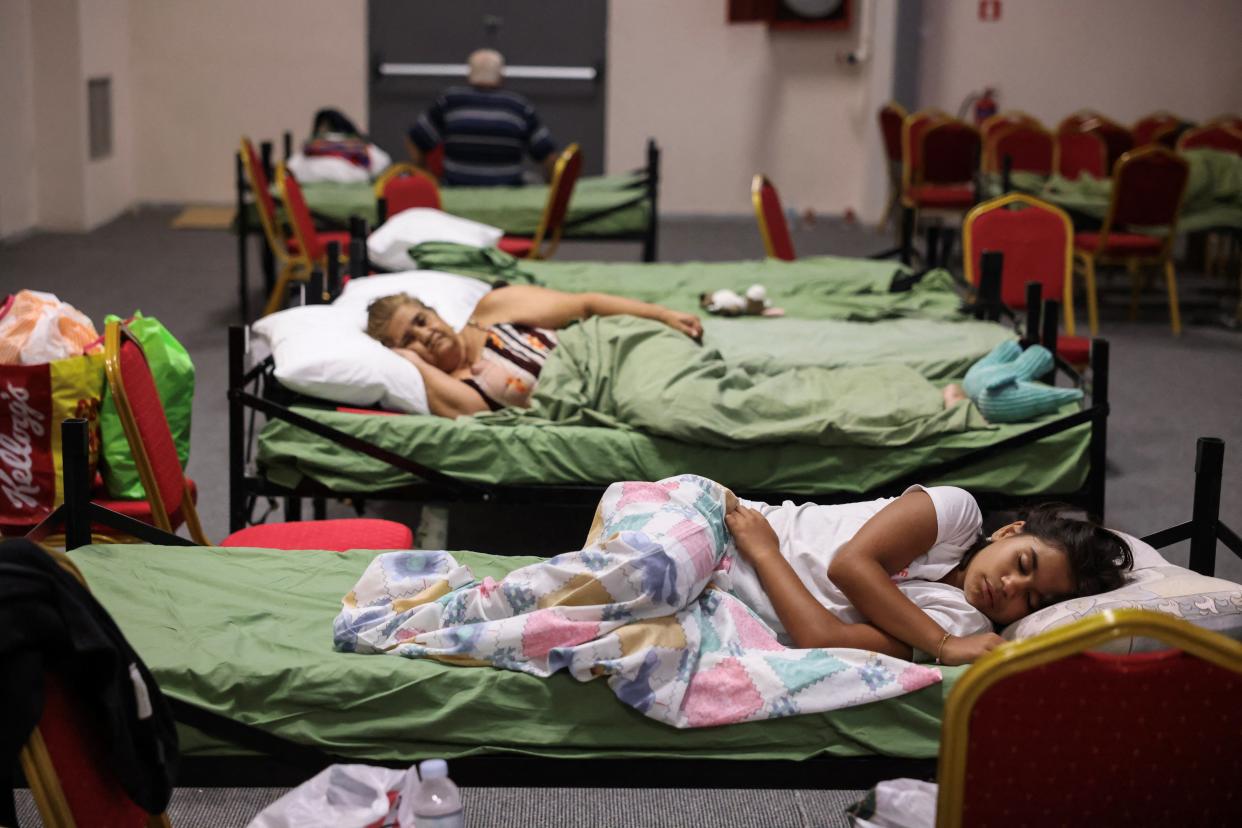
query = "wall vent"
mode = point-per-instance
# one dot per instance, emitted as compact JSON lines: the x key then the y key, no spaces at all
{"x":99,"y":117}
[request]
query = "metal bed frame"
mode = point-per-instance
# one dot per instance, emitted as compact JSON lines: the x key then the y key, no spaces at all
{"x":288,"y":763}
{"x":648,"y":190}
{"x":257,"y":391}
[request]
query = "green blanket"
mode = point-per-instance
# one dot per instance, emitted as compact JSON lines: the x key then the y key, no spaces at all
{"x":627,"y":373}
{"x":247,"y":633}
{"x":516,"y":210}
{"x":1213,"y":192}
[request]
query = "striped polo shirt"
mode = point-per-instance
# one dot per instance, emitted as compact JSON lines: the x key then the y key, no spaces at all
{"x":486,"y":133}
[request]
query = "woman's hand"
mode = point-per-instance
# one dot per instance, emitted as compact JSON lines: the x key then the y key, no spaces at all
{"x":754,"y":536}
{"x":965,"y":649}
{"x":686,"y":323}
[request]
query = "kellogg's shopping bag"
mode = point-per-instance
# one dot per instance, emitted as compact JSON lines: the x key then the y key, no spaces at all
{"x":34,"y":399}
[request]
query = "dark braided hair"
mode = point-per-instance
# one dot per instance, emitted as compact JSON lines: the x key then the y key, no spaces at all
{"x":1098,"y":558}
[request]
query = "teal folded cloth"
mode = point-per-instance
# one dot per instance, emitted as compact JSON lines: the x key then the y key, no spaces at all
{"x":487,"y":263}
{"x":1001,"y":384}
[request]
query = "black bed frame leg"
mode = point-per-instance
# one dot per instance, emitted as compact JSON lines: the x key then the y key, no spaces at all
{"x":287,"y":139}
{"x":1034,"y":300}
{"x":293,"y":509}
{"x":948,"y":237}
{"x":907,"y":235}
{"x":75,"y":465}
{"x":243,"y":233}
{"x":932,"y":246}
{"x":269,"y":263}
{"x":1209,"y":471}
{"x":237,"y":430}
{"x":1051,"y":314}
{"x":1007,"y":174}
{"x":651,"y":238}
{"x":319,"y":508}
{"x":1098,"y":450}
{"x":988,"y":298}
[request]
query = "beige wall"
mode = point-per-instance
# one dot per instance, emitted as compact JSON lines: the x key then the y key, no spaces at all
{"x":727,"y":101}
{"x":109,"y":187}
{"x":18,"y":204}
{"x":1125,"y":58}
{"x":59,"y":114}
{"x":205,"y":73}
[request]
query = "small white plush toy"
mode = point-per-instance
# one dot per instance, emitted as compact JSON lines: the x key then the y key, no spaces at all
{"x":725,"y":302}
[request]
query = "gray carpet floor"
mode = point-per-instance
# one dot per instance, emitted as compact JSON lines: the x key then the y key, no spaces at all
{"x":1166,"y":392}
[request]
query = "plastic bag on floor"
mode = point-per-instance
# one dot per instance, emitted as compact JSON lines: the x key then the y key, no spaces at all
{"x":37,"y":327}
{"x":897,"y":803}
{"x":341,"y":796}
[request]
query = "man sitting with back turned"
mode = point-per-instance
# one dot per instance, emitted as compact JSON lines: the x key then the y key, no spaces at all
{"x":486,"y":131}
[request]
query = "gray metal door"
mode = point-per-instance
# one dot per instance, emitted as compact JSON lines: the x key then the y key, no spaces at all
{"x":526,"y":32}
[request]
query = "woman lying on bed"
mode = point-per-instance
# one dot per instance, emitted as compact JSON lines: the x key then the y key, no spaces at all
{"x":914,"y":572}
{"x":495,"y":360}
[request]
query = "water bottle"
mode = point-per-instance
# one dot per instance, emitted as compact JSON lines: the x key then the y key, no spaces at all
{"x":436,"y":803}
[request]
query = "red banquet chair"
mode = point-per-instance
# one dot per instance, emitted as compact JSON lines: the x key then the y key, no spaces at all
{"x":1232,"y":121}
{"x":892,"y":116}
{"x":1117,"y":139}
{"x":1147,"y":190}
{"x":942,"y":171}
{"x":1029,"y":148}
{"x":65,"y":761}
{"x":548,"y":234}
{"x":773,"y":229}
{"x":1212,"y":136}
{"x":307,"y":248}
{"x":1074,"y":122}
{"x":1076,"y":154}
{"x":1050,"y":731}
{"x":1004,"y":120}
{"x":155,"y":455}
{"x":403,"y":187}
{"x":912,"y":130}
{"x":1157,"y":128}
{"x":1037,"y":241}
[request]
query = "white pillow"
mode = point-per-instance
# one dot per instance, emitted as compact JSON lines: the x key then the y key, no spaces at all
{"x":1153,"y":584}
{"x":389,"y":246}
{"x":453,"y":297}
{"x":313,"y":169}
{"x":320,"y":350}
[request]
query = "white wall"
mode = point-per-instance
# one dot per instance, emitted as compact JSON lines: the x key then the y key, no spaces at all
{"x":59,"y":114}
{"x":18,"y":194}
{"x":109,"y":186}
{"x":728,"y":100}
{"x":205,"y":73}
{"x":1125,"y":58}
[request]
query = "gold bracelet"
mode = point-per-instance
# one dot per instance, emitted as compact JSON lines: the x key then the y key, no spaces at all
{"x":940,"y":649}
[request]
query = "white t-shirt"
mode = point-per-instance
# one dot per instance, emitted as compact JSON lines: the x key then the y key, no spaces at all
{"x":810,"y":536}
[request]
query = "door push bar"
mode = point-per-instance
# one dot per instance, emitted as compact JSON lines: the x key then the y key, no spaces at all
{"x":459,"y":70}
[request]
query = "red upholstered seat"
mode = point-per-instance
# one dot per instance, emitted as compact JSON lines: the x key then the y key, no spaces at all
{"x":335,"y":535}
{"x":1121,"y":243}
{"x":956,"y":196}
{"x":341,"y":237}
{"x":516,"y":246}
{"x":1076,"y":350}
{"x":138,"y":509}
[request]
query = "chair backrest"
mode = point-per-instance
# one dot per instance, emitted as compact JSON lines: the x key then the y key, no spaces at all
{"x":1231,"y":121}
{"x":912,"y":129}
{"x":1117,"y":139}
{"x":892,"y":116}
{"x":141,"y":412}
{"x":1074,"y":122}
{"x":950,"y":152}
{"x":310,"y":251}
{"x":434,"y":159}
{"x":265,"y":205}
{"x":1148,"y":185}
{"x":404,"y":186}
{"x":1080,"y":153}
{"x":1212,"y":136}
{"x":560,"y":191}
{"x":1002,"y":120}
{"x":1029,"y":147}
{"x":1148,"y":129}
{"x":777,"y":242}
{"x":1044,"y":732}
{"x":1037,"y":240}
{"x":68,"y":773}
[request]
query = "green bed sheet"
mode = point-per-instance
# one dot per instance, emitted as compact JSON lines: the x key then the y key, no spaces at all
{"x":516,"y":210}
{"x":1213,"y":193}
{"x":247,"y":633}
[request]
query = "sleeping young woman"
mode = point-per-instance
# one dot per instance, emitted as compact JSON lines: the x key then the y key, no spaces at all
{"x":494,"y":361}
{"x":912,"y":573}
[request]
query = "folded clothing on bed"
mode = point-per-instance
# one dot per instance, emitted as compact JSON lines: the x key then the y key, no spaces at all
{"x":635,"y":605}
{"x":625,"y":372}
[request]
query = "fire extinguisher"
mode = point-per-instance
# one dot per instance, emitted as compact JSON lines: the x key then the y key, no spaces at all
{"x":985,"y":105}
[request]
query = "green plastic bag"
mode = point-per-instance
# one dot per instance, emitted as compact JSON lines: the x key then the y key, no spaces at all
{"x":174,"y":379}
